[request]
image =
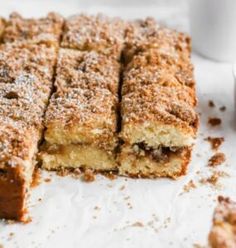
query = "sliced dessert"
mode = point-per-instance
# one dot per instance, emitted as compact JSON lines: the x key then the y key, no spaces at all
{"x":98,"y":33}
{"x":47,"y":29}
{"x":158,"y":127}
{"x":223,"y":231}
{"x":159,"y":122}
{"x":81,"y":119}
{"x":24,"y":94}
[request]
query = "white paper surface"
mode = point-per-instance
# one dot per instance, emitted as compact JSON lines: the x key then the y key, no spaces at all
{"x":73,"y":213}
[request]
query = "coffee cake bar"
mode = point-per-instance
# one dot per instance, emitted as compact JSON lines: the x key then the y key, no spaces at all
{"x":81,"y":120}
{"x":223,"y":231}
{"x":47,"y":29}
{"x":24,"y":93}
{"x":94,"y":33}
{"x":159,"y":122}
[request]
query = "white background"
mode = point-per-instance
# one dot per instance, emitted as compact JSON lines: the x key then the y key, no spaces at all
{"x":73,"y":213}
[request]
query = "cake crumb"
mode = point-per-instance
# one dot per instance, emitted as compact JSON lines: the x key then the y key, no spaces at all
{"x":213,"y":179}
{"x":47,"y":180}
{"x":214,"y":121}
{"x":217,"y":159}
{"x":122,"y":187}
{"x":215,"y":142}
{"x":211,"y":104}
{"x":190,"y":185}
{"x":222,"y":108}
{"x":138,"y":224}
{"x":76,"y":173}
{"x":110,"y":175}
{"x":88,"y":176}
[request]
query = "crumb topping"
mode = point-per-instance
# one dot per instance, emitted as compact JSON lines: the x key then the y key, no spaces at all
{"x":86,"y":70}
{"x":47,"y":29}
{"x":99,"y":33}
{"x":166,"y":104}
{"x":147,"y":34}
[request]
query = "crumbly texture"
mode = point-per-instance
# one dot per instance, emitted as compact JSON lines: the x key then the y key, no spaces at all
{"x":217,"y":159}
{"x":83,"y":108}
{"x":86,"y":70}
{"x":47,"y":29}
{"x":154,"y":68}
{"x":82,"y":114}
{"x":214,"y":121}
{"x":98,"y":33}
{"x":143,"y":165}
{"x":159,"y":115}
{"x":24,"y":93}
{"x":215,"y":142}
{"x":143,"y":35}
{"x":223,"y":231}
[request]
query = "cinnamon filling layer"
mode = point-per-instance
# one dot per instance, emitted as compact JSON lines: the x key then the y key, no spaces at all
{"x":160,"y":154}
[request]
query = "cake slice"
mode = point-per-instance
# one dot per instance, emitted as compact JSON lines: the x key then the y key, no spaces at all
{"x":81,"y":119}
{"x":94,"y":33}
{"x":223,"y":231}
{"x":159,"y":122}
{"x":158,"y":128}
{"x":47,"y":29}
{"x":24,"y":94}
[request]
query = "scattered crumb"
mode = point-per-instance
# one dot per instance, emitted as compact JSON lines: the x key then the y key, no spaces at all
{"x":97,"y":208}
{"x":214,"y":121}
{"x":122,"y":187}
{"x":211,"y":104}
{"x":215,"y":142}
{"x":40,"y":199}
{"x":63,"y":172}
{"x":217,"y":159}
{"x":11,"y":234}
{"x":222,"y":108}
{"x":138,"y":224}
{"x":110,"y":175}
{"x":213,"y":179}
{"x":75,"y":173}
{"x":47,"y":180}
{"x":88,"y":176}
{"x":190,"y":185}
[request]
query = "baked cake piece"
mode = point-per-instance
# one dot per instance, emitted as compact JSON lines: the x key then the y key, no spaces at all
{"x":223,"y":231}
{"x":98,"y":33}
{"x":47,"y":29}
{"x":81,"y":119}
{"x":158,"y":127}
{"x":24,"y":94}
{"x":143,"y":35}
{"x":159,"y":122}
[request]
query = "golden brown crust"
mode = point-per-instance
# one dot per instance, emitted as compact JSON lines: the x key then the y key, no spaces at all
{"x":223,"y":232}
{"x":98,"y":33}
{"x":47,"y":29}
